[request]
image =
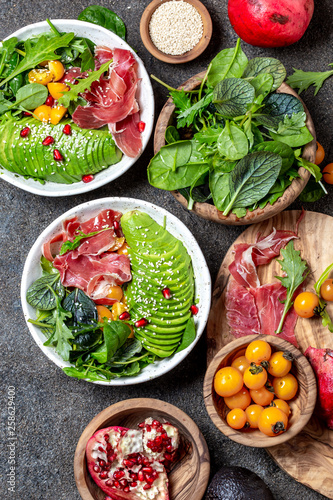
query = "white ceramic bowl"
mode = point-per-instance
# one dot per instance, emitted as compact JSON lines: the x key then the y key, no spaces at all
{"x":32,"y":271}
{"x":100,"y":36}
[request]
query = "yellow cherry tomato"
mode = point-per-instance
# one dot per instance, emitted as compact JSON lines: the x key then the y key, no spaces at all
{"x":241,"y":363}
{"x":253,"y":413}
{"x":272,"y":421}
{"x":280,"y":363}
{"x":262,"y":396}
{"x":258,"y":351}
{"x":320,"y":154}
{"x":241,"y":399}
{"x":57,"y":112}
{"x":326,"y":290}
{"x":131,"y":335}
{"x":57,"y":89}
{"x":285,"y":387}
{"x":123,"y":250}
{"x":282,"y":405}
{"x":43,"y":113}
{"x":236,"y":418}
{"x":305,"y":303}
{"x":117,"y":309}
{"x":115,"y":292}
{"x":57,"y":70}
{"x":255,"y":376}
{"x":103,"y":312}
{"x":228,"y":381}
{"x":41,"y":76}
{"x":328,"y":173}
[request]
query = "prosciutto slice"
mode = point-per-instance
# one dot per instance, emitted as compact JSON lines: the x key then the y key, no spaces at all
{"x":242,"y":312}
{"x":127,"y":136}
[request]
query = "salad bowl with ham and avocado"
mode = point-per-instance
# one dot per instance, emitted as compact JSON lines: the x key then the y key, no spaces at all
{"x":76,"y":107}
{"x":116,"y":291}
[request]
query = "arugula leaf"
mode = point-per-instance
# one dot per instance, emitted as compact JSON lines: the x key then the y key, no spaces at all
{"x":229,"y":63}
{"x":187,"y":117}
{"x":188,"y":335}
{"x":181,"y":100}
{"x":43,"y":292}
{"x":42,"y":51}
{"x":104,"y":17}
{"x":82,"y":85}
{"x":302,"y":80}
{"x":296,"y":271}
{"x":71,"y":245}
{"x":62,"y":333}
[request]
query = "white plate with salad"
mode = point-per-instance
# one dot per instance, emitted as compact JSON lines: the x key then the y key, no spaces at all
{"x":58,"y":138}
{"x":116,"y":291}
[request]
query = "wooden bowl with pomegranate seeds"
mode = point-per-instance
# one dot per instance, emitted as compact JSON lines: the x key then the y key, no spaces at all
{"x":189,"y":474}
{"x":302,"y":405}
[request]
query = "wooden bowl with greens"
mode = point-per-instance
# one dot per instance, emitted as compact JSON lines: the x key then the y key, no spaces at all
{"x":234,"y":144}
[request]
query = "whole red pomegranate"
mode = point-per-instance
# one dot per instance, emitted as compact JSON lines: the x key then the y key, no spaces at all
{"x":270,"y":23}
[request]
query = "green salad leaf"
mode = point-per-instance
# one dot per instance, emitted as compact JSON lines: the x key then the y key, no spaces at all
{"x":104,"y":17}
{"x":302,"y":80}
{"x":229,"y":63}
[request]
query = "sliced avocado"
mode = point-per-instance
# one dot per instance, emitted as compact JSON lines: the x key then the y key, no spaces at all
{"x":158,"y":261}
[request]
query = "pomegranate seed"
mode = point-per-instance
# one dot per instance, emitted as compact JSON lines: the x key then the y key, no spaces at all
{"x":123,"y":432}
{"x":169,"y":448}
{"x":101,"y":449}
{"x":118,"y":474}
{"x":104,"y":474}
{"x":147,"y":487}
{"x":141,"y":477}
{"x":139,"y":460}
{"x":112,"y":458}
{"x":145,"y":461}
{"x":148,"y":426}
{"x":25,"y":113}
{"x":150,"y":444}
{"x":128,"y":463}
{"x":48,"y":140}
{"x":57,"y":155}
{"x":49,"y":101}
{"x":123,"y":482}
{"x":194,"y":310}
{"x":126,"y":490}
{"x":116,"y":225}
{"x":96,"y":468}
{"x":154,"y":474}
{"x":168,"y":457}
{"x":124,"y":316}
{"x":166,"y":293}
{"x":109,"y":447}
{"x":141,"y":425}
{"x":140,"y":323}
{"x":133,"y":476}
{"x":150,"y":479}
{"x":134,"y":484}
{"x":25,"y":132}
{"x":141,"y":126}
{"x":117,"y":484}
{"x":106,"y":437}
{"x":160,"y":429}
{"x":67,"y":130}
{"x":102,"y":463}
{"x":158,"y":440}
{"x":87,"y":178}
{"x":156,"y":423}
{"x":148,"y":470}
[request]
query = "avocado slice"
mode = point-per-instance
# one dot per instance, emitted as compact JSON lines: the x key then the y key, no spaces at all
{"x":158,"y":260}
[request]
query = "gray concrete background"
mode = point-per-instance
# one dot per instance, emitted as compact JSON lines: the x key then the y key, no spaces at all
{"x":51,"y":409}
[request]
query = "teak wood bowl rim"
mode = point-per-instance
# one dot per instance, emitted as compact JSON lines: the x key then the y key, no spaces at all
{"x":121,"y":409}
{"x":210,"y":212}
{"x":187,"y":56}
{"x":307,"y":390}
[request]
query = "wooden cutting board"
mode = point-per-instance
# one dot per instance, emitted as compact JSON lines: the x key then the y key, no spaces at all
{"x":308,"y":457}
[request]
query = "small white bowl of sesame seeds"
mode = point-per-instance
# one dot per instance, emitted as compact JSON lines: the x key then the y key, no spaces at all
{"x":144,"y":96}
{"x":202,"y":298}
{"x":176,"y":31}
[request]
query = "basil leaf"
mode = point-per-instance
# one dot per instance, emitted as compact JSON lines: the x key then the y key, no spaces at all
{"x":81,"y":306}
{"x":104,"y":17}
{"x":40,"y":294}
{"x":188,"y":335}
{"x":260,"y":65}
{"x":283,"y":150}
{"x":252,"y":178}
{"x":171,"y":135}
{"x":31,"y":96}
{"x":232,"y":96}
{"x":232,"y":142}
{"x":263,"y":84}
{"x":293,"y":140}
{"x":229,"y":63}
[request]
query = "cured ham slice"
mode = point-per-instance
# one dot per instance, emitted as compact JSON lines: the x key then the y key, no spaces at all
{"x":268,"y":299}
{"x":242,"y":312}
{"x":127,"y":136}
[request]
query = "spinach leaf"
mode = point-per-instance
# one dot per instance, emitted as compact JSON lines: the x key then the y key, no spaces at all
{"x":30,"y":96}
{"x":81,"y":306}
{"x":85,"y":341}
{"x":219,"y":186}
{"x":104,"y":17}
{"x":311,"y":167}
{"x":232,"y":96}
{"x":252,"y":178}
{"x":229,"y":63}
{"x":123,"y":356}
{"x":257,"y":135}
{"x":168,"y":170}
{"x":43,"y":51}
{"x":294,"y":140}
{"x":115,"y":335}
{"x":47,"y":266}
{"x":40,"y":294}
{"x":312,"y":192}
{"x":222,"y":165}
{"x":277,"y":107}
{"x":232,"y":142}
{"x":7,"y":50}
{"x":188,"y":335}
{"x":87,"y":56}
{"x":171,"y":135}
{"x":208,"y":136}
{"x":285,"y":151}
{"x":260,"y":65}
{"x":263,"y":84}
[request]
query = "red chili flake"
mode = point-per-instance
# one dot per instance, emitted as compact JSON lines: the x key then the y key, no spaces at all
{"x":25,"y":132}
{"x":124,"y":316}
{"x":194,"y":310}
{"x":87,"y":178}
{"x":140,"y":323}
{"x":141,"y":126}
{"x":49,"y":101}
{"x":48,"y":140}
{"x":67,"y":129}
{"x":57,"y":155}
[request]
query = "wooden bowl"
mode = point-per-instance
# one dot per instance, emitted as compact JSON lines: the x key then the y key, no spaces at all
{"x":191,"y":54}
{"x":189,"y":476}
{"x":302,"y":405}
{"x":210,"y":212}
